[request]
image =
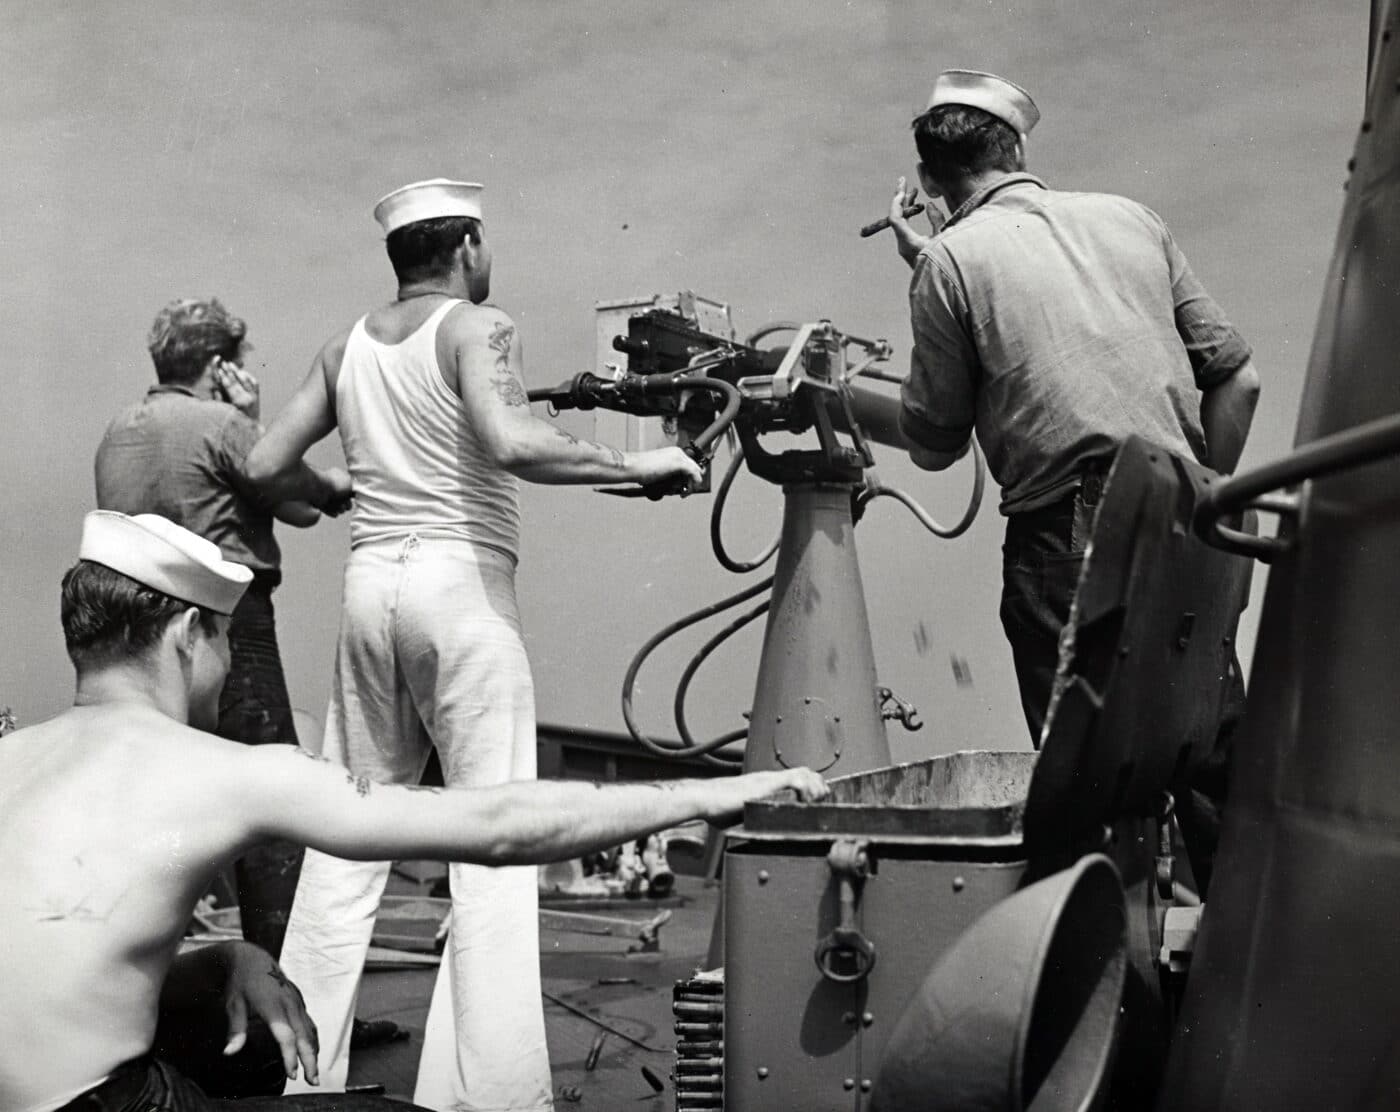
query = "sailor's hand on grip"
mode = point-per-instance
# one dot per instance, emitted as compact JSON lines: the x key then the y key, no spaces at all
{"x":671,"y":470}
{"x":661,"y":464}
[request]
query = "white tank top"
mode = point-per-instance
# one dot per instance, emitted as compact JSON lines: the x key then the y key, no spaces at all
{"x":416,"y":462}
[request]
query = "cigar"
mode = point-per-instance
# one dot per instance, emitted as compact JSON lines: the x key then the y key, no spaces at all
{"x":883,"y":223}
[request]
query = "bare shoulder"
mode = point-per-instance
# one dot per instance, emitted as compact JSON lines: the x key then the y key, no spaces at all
{"x":172,"y":745}
{"x":470,"y":325}
{"x":235,"y":788}
{"x":151,"y":740}
{"x":475,"y":336}
{"x":332,"y":355}
{"x":333,"y":350}
{"x":135,"y":754}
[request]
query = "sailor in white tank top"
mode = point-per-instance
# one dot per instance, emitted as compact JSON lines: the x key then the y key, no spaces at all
{"x":416,"y":464}
{"x":430,"y":653}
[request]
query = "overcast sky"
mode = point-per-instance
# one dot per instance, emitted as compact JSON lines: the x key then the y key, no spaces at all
{"x":156,"y":150}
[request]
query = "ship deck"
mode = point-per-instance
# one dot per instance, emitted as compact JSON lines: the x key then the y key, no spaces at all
{"x":593,"y":986}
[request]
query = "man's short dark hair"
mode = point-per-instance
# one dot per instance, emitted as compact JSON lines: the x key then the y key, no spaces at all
{"x":424,"y":249}
{"x":109,"y":617}
{"x":958,"y":141}
{"x":187,"y":333}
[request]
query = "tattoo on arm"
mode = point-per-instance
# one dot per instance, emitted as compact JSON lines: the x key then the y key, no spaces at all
{"x":614,"y":456}
{"x":500,"y":340}
{"x":281,"y":978}
{"x":509,"y":390}
{"x":359,"y":783}
{"x":506,"y":385}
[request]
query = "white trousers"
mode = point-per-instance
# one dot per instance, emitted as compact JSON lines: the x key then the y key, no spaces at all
{"x":430,"y":653}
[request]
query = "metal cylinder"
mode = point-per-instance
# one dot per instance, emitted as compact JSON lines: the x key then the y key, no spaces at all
{"x":815,"y":702}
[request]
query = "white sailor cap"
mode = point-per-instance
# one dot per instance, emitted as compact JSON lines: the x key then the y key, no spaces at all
{"x":1002,"y":98}
{"x":428,"y":200}
{"x":165,"y":557}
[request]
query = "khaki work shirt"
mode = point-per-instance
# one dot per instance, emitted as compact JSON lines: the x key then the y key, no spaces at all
{"x":1056,"y":325}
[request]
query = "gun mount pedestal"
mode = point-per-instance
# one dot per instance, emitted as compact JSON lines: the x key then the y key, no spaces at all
{"x":815,"y":702}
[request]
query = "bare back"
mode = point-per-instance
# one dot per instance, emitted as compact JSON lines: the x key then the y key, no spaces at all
{"x":114,"y":817}
{"x":109,"y":833}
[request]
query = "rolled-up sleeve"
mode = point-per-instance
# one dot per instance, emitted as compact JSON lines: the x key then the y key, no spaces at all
{"x":938,"y":400}
{"x":1216,"y":349}
{"x":237,"y":436}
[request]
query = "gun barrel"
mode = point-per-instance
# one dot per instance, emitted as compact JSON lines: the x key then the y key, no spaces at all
{"x":875,"y":411}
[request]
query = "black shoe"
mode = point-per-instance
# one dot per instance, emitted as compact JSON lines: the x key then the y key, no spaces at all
{"x":365,"y":1033}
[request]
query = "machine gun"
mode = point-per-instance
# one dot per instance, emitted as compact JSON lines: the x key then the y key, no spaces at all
{"x":703,"y":384}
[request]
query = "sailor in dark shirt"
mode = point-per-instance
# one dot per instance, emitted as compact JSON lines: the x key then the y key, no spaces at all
{"x":179,"y":453}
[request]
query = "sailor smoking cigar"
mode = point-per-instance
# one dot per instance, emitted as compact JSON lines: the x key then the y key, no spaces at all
{"x":883,"y":223}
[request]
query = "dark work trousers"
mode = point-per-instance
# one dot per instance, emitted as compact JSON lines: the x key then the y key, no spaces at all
{"x":153,"y":1085}
{"x":254,"y":709}
{"x":1041,"y":560}
{"x":186,"y":1071}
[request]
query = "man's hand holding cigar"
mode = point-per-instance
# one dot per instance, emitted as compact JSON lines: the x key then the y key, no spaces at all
{"x":908,"y":242}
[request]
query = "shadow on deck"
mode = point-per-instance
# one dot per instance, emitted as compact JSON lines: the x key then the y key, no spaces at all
{"x":593,"y":987}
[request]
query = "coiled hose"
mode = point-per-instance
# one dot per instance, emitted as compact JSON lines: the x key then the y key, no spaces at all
{"x":708,"y":751}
